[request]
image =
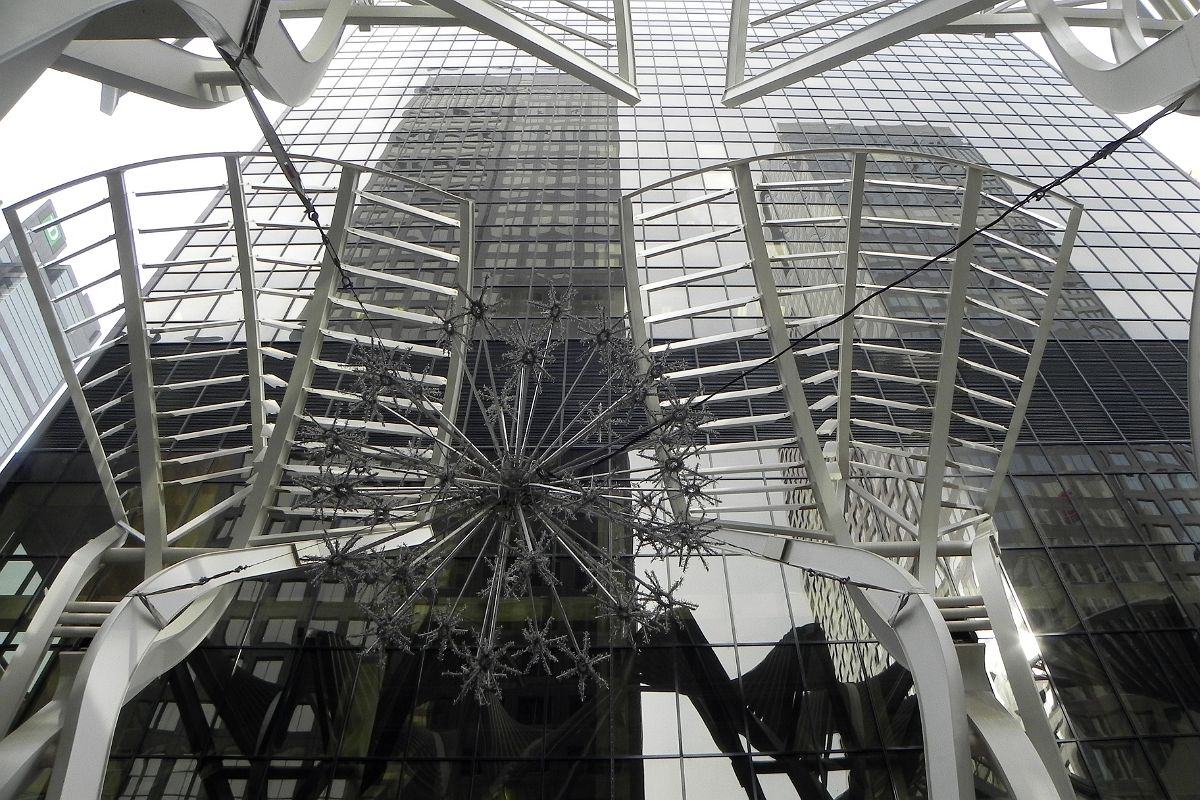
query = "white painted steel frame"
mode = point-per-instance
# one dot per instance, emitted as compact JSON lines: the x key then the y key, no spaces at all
{"x":246,"y":266}
{"x":137,"y":338}
{"x":24,"y":751}
{"x":40,"y":287}
{"x":278,"y":449}
{"x":915,"y":636}
{"x":124,"y":45}
{"x":147,"y":634}
{"x":269,"y":468}
{"x":858,"y":177}
{"x":17,"y":679}
{"x":924,"y":16}
{"x":779,"y":338}
{"x":1003,"y":735}
{"x":1194,"y":373}
{"x":768,"y":295}
{"x":1156,"y":51}
{"x":492,"y":20}
{"x":79,"y":755}
{"x":930,"y":519}
{"x":823,"y":469}
{"x":137,"y":333}
{"x":282,"y":71}
{"x":989,"y":574}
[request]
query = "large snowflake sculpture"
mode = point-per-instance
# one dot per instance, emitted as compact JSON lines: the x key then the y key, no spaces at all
{"x":549,"y":476}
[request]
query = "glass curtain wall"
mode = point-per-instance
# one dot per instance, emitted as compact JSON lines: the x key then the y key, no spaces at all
{"x":754,"y":694}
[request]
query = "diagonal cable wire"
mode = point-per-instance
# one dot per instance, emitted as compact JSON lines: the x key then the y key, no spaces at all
{"x":289,"y":170}
{"x":1036,"y":194}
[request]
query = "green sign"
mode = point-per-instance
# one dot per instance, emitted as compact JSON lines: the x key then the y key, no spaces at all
{"x":53,"y":234}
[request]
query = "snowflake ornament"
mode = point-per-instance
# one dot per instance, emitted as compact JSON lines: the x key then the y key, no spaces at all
{"x":536,"y":480}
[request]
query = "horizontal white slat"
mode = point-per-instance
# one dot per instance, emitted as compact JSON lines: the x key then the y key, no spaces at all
{"x":707,"y":308}
{"x":424,"y":250}
{"x":670,"y":247}
{"x":683,"y":205}
{"x":415,"y":211}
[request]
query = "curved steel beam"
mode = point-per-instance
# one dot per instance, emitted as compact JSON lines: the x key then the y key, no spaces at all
{"x":489,"y":19}
{"x":22,"y":751}
{"x":924,"y":16}
{"x":1158,"y":74}
{"x":23,"y":69}
{"x":1003,"y":735}
{"x":153,"y":69}
{"x":985,"y":562}
{"x":916,"y":637}
{"x":1144,"y":74}
{"x":35,"y":34}
{"x":279,"y":69}
{"x":151,"y":630}
{"x":78,"y":570}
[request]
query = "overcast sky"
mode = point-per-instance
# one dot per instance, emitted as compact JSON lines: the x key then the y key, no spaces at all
{"x":57,"y":132}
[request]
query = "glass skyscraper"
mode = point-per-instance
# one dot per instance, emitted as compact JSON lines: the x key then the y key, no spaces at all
{"x":29,"y":377}
{"x":754,"y":695}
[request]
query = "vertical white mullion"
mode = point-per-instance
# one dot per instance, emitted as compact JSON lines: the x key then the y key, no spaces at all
{"x":456,"y":364}
{"x":772,"y":310}
{"x":639,"y":333}
{"x":929,"y":522}
{"x":141,"y":372}
{"x":739,"y":32}
{"x":465,"y":276}
{"x":626,"y":62}
{"x":316,"y":316}
{"x":254,"y":368}
{"x":849,"y":298}
{"x":633,"y":293}
{"x":1194,"y":373}
{"x":62,"y":352}
{"x":1029,"y":379}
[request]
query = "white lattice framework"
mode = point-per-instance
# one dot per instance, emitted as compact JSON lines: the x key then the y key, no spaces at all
{"x":884,"y":426}
{"x":305,"y":317}
{"x":140,"y":48}
{"x":1155,"y":46}
{"x":271,"y":351}
{"x":806,"y":471}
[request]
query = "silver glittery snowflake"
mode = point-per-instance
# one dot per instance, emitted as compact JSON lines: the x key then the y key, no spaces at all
{"x":512,"y":493}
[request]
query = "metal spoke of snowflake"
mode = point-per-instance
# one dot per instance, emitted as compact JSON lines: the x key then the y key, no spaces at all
{"x":583,"y":666}
{"x":541,"y":648}
{"x":514,"y":489}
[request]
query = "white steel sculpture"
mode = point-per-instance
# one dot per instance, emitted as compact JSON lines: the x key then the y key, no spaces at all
{"x":1155,"y":47}
{"x":352,"y":465}
{"x":153,"y":432}
{"x":343,"y":391}
{"x":879,"y":421}
{"x":138,"y":47}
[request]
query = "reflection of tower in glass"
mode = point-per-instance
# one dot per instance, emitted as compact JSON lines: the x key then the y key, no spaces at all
{"x":909,"y":214}
{"x":29,"y":374}
{"x":910,"y":191}
{"x":534,"y":152}
{"x":1102,"y":553}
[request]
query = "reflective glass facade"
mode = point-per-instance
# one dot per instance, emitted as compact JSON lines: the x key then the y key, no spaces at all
{"x":772,"y":688}
{"x":29,"y":376}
